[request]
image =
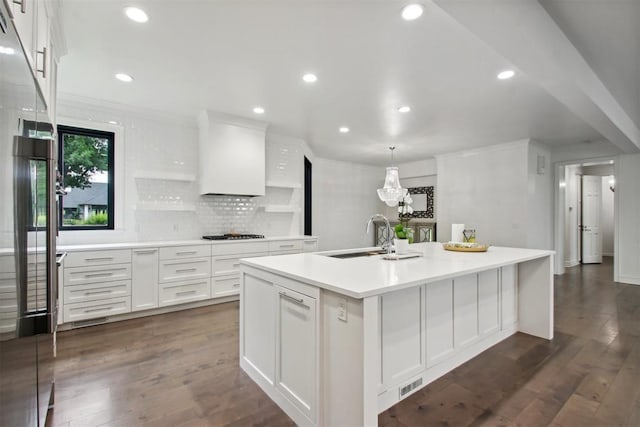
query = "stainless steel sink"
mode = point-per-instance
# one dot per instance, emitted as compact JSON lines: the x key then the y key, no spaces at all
{"x":359,"y":254}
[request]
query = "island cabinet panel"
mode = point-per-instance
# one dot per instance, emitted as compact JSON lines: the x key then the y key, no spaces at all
{"x":296,"y":349}
{"x":439,"y":308}
{"x":509,"y":295}
{"x":465,"y":310}
{"x":488,"y":302}
{"x":144,"y":290}
{"x":258,"y":320}
{"x":402,"y":335}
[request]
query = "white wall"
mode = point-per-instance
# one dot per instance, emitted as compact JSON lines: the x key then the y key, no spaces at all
{"x":485,"y":189}
{"x":540,"y":197}
{"x":344,"y":198}
{"x":627,"y":259}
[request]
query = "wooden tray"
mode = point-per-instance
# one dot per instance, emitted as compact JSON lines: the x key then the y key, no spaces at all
{"x":476,"y":248}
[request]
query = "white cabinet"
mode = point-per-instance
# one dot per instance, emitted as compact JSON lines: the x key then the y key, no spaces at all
{"x":403,"y":335}
{"x":310,"y":245}
{"x":465,"y":310}
{"x":184,"y":274}
{"x":225,"y":265}
{"x":509,"y":296}
{"x":280,"y":247}
{"x":280,"y":341}
{"x":296,"y":349}
{"x":488,"y":302}
{"x":439,"y":309}
{"x":144,"y":291}
{"x":24,"y":18}
{"x":96,"y":284}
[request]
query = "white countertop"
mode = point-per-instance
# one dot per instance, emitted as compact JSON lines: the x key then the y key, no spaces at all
{"x":368,"y":276}
{"x":166,"y":243}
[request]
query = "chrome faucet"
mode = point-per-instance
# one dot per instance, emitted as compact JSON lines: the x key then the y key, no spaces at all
{"x":386,"y":245}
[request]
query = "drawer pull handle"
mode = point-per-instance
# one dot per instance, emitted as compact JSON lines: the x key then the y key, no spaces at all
{"x":97,"y":292}
{"x":236,"y":285}
{"x":237,"y":264}
{"x":23,"y":5}
{"x":149,"y":251}
{"x":287,"y":246}
{"x":99,"y":259}
{"x":99,"y":275}
{"x":186,"y":253}
{"x":186,"y":270}
{"x":298,"y":301}
{"x":91,"y":310}
{"x":183,"y":293}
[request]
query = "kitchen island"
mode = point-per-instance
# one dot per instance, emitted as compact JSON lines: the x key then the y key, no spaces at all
{"x":335,"y":341}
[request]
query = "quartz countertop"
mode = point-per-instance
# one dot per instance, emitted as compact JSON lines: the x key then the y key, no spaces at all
{"x":371,"y":275}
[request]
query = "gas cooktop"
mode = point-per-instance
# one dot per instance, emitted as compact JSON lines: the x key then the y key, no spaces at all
{"x":233,"y":236}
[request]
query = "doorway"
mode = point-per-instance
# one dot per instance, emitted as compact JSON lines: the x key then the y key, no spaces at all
{"x":585,"y":213}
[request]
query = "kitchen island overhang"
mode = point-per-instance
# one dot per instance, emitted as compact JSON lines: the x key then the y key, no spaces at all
{"x":336,"y":341}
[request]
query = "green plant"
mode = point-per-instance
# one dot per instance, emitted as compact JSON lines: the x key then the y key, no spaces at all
{"x":97,"y":218}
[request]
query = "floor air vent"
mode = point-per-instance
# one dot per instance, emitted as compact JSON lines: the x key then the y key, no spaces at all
{"x":409,"y":387}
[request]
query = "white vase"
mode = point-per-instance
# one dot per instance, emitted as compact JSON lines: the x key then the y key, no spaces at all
{"x":402,"y":246}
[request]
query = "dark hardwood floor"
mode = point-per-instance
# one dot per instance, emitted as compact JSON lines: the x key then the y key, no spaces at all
{"x":181,"y":369}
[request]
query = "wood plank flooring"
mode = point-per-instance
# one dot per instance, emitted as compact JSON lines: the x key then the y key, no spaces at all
{"x":181,"y":369}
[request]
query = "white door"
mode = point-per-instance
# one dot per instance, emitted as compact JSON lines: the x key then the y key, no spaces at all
{"x":591,"y":204}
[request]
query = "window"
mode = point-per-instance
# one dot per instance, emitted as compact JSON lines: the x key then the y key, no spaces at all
{"x":86,"y":164}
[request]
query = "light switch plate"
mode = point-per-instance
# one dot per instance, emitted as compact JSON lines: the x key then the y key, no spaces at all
{"x":342,"y":309}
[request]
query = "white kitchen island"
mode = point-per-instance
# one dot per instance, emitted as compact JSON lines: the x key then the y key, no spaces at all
{"x":334,"y":342}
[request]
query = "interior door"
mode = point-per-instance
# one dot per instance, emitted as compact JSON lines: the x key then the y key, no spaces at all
{"x":591,"y":205}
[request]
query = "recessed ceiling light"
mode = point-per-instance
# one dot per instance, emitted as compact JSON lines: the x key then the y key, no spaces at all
{"x":113,"y":122}
{"x":506,"y":74}
{"x":258,"y":110}
{"x":412,"y":11}
{"x":344,"y":129}
{"x":310,"y":78}
{"x":136,"y":14}
{"x":7,"y":50}
{"x":404,"y":109}
{"x":124,"y":77}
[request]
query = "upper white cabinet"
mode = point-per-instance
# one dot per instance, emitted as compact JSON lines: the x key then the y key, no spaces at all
{"x":232,"y":155}
{"x":24,"y":18}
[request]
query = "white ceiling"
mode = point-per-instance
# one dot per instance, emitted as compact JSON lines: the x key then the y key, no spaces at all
{"x":230,"y":56}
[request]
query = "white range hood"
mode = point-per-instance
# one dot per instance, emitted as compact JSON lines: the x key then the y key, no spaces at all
{"x":232,"y":155}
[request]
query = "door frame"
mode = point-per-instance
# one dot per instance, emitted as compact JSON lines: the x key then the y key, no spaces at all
{"x":558,"y":210}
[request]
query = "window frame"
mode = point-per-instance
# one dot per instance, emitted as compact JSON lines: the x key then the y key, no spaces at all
{"x":94,"y":133}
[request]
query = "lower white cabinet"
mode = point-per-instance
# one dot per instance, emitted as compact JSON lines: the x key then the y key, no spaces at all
{"x":144,"y":275}
{"x":184,"y":291}
{"x":296,"y":349}
{"x":280,"y":341}
{"x":439,"y":314}
{"x":223,"y":286}
{"x":465,"y":310}
{"x":97,"y":308}
{"x":96,"y":291}
{"x":184,"y":269}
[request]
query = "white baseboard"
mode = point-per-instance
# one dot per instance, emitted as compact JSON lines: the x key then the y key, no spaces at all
{"x":629,"y":280}
{"x":571,"y":263}
{"x":607,"y":254}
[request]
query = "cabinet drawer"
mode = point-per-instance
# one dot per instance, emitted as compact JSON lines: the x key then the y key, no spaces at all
{"x":230,"y":248}
{"x":286,"y":246}
{"x":90,"y":258}
{"x":107,"y":273}
{"x":193,"y":268}
{"x":310,"y":245}
{"x":226,"y":265}
{"x":96,"y":291}
{"x":186,"y":291}
{"x":179,"y":252}
{"x":95,"y":309}
{"x":224,"y":286}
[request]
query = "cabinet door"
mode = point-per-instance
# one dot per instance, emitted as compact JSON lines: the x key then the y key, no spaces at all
{"x":439,"y":307}
{"x":42,"y":53}
{"x":465,"y":310}
{"x":488,"y":302}
{"x":24,"y":14}
{"x":509,"y":295}
{"x":144,"y":291}
{"x":296,"y":364}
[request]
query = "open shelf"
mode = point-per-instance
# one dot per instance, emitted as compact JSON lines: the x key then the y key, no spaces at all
{"x":282,"y":184}
{"x":167,"y":176}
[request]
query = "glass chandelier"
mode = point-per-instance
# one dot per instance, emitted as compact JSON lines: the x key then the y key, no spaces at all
{"x":392,"y":191}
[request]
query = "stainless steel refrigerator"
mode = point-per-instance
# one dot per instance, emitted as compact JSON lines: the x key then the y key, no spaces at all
{"x":28,"y":288}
